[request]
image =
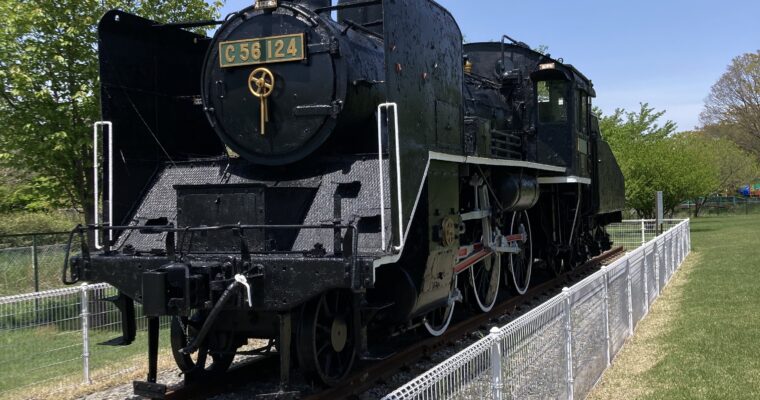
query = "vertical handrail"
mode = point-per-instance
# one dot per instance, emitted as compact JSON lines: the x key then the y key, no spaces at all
{"x":380,"y":173}
{"x":85,"y":334}
{"x":95,"y":177}
{"x":387,"y":107}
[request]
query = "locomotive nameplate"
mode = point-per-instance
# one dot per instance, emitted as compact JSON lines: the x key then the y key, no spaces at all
{"x":266,"y":50}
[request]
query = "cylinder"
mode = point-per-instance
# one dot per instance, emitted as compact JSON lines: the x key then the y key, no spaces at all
{"x":516,"y":192}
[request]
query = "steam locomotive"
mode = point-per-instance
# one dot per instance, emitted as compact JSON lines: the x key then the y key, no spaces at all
{"x":326,"y":174}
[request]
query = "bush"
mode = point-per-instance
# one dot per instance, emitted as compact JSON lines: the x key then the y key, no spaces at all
{"x":29,"y":222}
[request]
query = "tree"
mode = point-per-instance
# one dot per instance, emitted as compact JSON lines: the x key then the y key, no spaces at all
{"x":653,"y":158}
{"x":48,"y":85}
{"x":734,"y":102}
{"x":731,"y":166}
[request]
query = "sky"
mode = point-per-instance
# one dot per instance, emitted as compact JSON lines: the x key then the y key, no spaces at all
{"x":667,"y":53}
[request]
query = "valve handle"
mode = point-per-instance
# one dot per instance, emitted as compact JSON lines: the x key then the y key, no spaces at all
{"x":261,"y":82}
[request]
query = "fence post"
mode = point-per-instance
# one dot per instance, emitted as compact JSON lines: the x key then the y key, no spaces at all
{"x":671,"y":262}
{"x":85,"y":333}
{"x":680,"y":246}
{"x":657,"y":266}
{"x":569,"y":341}
{"x":643,"y":232}
{"x":688,"y":234}
{"x":630,"y":296}
{"x":35,"y":264}
{"x":605,"y":273}
{"x":646,"y":283}
{"x":496,"y":385}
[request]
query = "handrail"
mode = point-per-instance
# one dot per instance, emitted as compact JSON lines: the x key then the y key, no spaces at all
{"x":95,"y":178}
{"x":70,"y":278}
{"x":387,"y":107}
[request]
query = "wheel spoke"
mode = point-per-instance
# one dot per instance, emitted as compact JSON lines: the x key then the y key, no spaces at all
{"x":325,"y":307}
{"x":328,"y":363}
{"x":337,"y":303}
{"x":323,"y":348}
{"x":316,"y":351}
{"x":323,"y":329}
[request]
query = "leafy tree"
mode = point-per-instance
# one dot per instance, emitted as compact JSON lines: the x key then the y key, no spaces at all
{"x":653,"y":158}
{"x":731,"y":166}
{"x":734,"y":102}
{"x":48,"y":85}
{"x":626,"y":128}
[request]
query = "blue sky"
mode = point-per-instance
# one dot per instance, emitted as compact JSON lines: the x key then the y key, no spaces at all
{"x":667,"y":53}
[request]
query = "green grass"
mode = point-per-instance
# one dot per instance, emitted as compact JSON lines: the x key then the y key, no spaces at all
{"x":17,"y":273}
{"x":703,"y":335}
{"x":47,"y":356}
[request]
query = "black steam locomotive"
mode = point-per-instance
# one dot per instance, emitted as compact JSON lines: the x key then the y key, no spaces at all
{"x":326,"y":174}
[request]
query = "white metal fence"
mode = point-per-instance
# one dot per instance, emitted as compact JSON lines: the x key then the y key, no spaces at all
{"x":632,"y":234}
{"x":561,"y":348}
{"x":52,"y":339}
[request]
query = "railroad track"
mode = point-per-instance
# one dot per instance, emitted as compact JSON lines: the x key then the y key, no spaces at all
{"x":264,"y":370}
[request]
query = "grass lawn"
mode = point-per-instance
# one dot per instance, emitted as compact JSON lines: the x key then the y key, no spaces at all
{"x":701,"y":339}
{"x":17,"y":273}
{"x":44,"y":360}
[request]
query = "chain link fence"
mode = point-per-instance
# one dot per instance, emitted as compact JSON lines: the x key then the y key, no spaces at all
{"x":31,"y":262}
{"x":50,"y":342}
{"x":632,"y":234}
{"x":561,"y":348}
{"x":720,"y":205}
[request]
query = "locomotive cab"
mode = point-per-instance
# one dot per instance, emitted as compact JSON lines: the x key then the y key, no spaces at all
{"x":563,"y":100}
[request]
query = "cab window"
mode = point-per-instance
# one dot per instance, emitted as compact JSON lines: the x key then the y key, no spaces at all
{"x":552,"y":101}
{"x":582,"y":119}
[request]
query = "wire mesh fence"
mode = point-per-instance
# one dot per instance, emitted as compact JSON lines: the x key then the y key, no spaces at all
{"x":720,"y":205}
{"x":561,"y":348}
{"x":51,"y":340}
{"x":31,"y":262}
{"x":631,"y":234}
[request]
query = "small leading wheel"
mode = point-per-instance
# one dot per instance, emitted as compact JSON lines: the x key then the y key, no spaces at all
{"x":484,"y":280}
{"x":521,"y":264}
{"x":199,"y":365}
{"x":326,"y":342}
{"x":437,"y":321}
{"x":556,"y":264}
